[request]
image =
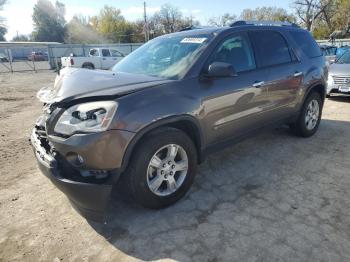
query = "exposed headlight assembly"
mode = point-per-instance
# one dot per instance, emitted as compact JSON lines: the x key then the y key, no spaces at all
{"x":86,"y":117}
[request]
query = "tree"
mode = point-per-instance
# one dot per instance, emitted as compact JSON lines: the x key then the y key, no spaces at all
{"x":224,"y":20}
{"x":108,"y":23}
{"x":308,"y":11}
{"x":80,"y":31}
{"x":49,"y":21}
{"x":3,"y":29}
{"x":267,"y":13}
{"x":341,"y":18}
{"x":113,"y":26}
{"x":169,"y":19}
{"x":21,"y":38}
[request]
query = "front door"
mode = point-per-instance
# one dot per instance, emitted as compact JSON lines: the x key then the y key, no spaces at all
{"x":234,"y":105}
{"x":107,"y":60}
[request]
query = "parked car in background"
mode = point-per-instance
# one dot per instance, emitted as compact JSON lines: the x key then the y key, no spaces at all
{"x":3,"y":58}
{"x":164,"y":107}
{"x":38,"y":56}
{"x":339,"y":75}
{"x":329,"y":52}
{"x":341,"y":51}
{"x":99,"y":58}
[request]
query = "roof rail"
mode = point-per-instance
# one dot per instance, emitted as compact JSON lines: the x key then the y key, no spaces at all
{"x":192,"y":27}
{"x":262,"y":23}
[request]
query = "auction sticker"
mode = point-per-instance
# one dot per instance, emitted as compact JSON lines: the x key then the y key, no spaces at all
{"x":194,"y":40}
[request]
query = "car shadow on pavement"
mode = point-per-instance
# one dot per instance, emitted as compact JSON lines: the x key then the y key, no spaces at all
{"x":340,"y":98}
{"x":266,"y":198}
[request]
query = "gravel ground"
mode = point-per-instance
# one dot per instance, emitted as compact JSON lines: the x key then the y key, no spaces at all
{"x":275,"y":197}
{"x":21,"y":66}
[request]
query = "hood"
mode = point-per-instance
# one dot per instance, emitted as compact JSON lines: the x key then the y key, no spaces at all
{"x":339,"y":69}
{"x":74,"y":83}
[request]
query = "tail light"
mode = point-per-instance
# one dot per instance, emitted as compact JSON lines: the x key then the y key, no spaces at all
{"x":72,"y":61}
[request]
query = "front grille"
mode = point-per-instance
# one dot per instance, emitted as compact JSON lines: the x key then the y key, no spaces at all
{"x":341,"y":80}
{"x":42,"y":137}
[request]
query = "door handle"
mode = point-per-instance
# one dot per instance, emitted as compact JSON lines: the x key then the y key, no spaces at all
{"x":258,"y":84}
{"x":296,"y":74}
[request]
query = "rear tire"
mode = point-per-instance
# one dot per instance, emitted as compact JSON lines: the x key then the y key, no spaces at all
{"x":88,"y":66}
{"x":157,"y":184}
{"x":309,"y":117}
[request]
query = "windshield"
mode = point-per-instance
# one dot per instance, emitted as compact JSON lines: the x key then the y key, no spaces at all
{"x":167,"y":57}
{"x":344,"y":59}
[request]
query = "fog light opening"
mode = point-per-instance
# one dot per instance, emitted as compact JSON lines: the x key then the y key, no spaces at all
{"x":75,"y":159}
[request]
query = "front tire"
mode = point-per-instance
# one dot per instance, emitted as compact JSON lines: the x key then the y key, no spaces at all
{"x":162,"y":168}
{"x":310,"y":116}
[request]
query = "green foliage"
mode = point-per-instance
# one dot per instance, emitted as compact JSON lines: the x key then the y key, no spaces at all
{"x":49,"y":22}
{"x":80,"y":31}
{"x":321,"y":32}
{"x":3,"y":32}
{"x":3,"y":29}
{"x":21,"y":38}
{"x":341,"y":18}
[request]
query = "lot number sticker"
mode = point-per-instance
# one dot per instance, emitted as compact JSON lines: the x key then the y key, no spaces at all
{"x":193,"y":40}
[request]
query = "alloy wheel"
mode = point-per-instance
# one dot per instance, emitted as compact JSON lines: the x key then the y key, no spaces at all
{"x":312,"y":115}
{"x":167,"y":170}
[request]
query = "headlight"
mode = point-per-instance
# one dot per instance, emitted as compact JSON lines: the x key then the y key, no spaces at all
{"x":86,"y":117}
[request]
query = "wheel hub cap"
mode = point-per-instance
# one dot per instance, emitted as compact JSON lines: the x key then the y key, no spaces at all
{"x":167,"y":170}
{"x":312,"y":114}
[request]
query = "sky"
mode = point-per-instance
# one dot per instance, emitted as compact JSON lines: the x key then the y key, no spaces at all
{"x":18,"y":13}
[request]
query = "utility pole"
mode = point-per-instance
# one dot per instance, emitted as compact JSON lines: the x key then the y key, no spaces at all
{"x":145,"y":22}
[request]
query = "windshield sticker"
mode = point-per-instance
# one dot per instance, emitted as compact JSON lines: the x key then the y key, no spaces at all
{"x":194,"y":40}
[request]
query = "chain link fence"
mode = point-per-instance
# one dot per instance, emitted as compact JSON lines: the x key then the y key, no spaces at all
{"x":337,"y":43}
{"x":21,"y":57}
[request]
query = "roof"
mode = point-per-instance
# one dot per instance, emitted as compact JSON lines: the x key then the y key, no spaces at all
{"x":237,"y":24}
{"x":263,"y":23}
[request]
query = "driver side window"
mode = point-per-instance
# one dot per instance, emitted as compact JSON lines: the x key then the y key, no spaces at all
{"x":237,"y":51}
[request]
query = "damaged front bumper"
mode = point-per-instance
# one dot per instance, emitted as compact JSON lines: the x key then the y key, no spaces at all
{"x":89,"y":196}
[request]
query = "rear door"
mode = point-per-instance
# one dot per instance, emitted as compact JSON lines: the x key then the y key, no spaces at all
{"x":284,"y":72}
{"x":116,"y":56}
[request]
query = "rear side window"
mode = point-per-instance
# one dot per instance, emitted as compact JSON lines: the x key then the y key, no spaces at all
{"x":116,"y":53}
{"x":270,"y":47}
{"x":306,"y":43}
{"x":93,"y":52}
{"x":105,"y":52}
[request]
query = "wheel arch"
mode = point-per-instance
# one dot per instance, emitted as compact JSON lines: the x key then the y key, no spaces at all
{"x":88,"y":63}
{"x":319,"y":88}
{"x":186,"y":123}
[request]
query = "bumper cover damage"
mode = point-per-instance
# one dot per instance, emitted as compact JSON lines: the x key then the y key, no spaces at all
{"x":90,"y":199}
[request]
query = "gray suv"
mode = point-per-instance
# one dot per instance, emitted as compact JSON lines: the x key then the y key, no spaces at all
{"x":148,"y":122}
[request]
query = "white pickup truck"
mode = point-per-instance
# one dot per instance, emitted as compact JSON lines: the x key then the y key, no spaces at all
{"x":99,"y":58}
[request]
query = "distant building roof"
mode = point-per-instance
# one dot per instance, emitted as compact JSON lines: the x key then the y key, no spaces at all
{"x":11,"y":44}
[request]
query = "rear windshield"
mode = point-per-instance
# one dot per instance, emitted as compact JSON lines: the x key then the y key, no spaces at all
{"x":307,"y":43}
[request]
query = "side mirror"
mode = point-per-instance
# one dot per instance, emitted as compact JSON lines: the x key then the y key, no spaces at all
{"x":221,"y":69}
